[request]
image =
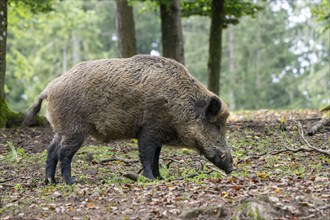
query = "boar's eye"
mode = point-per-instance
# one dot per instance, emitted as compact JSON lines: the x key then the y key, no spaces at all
{"x":218,"y":127}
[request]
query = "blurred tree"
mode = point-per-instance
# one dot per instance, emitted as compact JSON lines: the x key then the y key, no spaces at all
{"x":215,"y":42}
{"x":277,"y":60}
{"x":8,"y":117}
{"x":148,"y":30}
{"x":322,"y":12}
{"x":222,"y":14}
{"x":125,"y":29}
{"x":41,"y":45}
{"x":3,"y":45}
{"x":282,"y":67}
{"x":172,"y":39}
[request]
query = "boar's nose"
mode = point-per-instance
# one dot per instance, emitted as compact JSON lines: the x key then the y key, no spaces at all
{"x":230,"y":170}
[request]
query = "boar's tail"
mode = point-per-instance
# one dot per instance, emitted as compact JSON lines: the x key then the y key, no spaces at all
{"x":30,"y":118}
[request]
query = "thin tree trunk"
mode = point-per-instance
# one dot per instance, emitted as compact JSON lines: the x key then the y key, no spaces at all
{"x":258,"y":60}
{"x":3,"y":44}
{"x":215,"y":46}
{"x":172,"y":38}
{"x":232,"y":100}
{"x":8,"y":118}
{"x":75,"y":48}
{"x":125,"y":29}
{"x":65,"y":59}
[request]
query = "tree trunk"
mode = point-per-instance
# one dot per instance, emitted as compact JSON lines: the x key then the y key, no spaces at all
{"x":65,"y":59}
{"x":232,"y":95}
{"x":215,"y":46}
{"x":3,"y":40}
{"x":172,"y":38}
{"x":7,"y":117}
{"x":125,"y":29}
{"x":75,"y":48}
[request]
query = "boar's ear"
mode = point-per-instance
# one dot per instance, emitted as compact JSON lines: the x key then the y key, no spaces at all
{"x":213,"y":107}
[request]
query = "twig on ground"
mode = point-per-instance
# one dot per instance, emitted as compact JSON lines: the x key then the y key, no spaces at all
{"x":7,"y":180}
{"x":119,"y":159}
{"x":170,"y":162}
{"x":311,"y":148}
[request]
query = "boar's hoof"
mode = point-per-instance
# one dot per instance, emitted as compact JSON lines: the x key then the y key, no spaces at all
{"x":159,"y":177}
{"x":148,"y":175}
{"x":69,"y":181}
{"x":50,"y":181}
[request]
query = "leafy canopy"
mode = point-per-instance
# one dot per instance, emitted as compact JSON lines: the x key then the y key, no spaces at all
{"x":234,"y":9}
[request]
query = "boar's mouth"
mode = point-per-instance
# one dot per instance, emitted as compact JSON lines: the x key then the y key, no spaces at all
{"x":223,"y":162}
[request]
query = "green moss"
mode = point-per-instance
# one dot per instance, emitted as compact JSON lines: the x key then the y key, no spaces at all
{"x":8,"y":118}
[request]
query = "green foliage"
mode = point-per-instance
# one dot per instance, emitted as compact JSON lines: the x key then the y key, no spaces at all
{"x":284,"y":67}
{"x":47,"y":49}
{"x":35,"y":6}
{"x":270,"y":71}
{"x":234,"y":9}
{"x":322,"y":12}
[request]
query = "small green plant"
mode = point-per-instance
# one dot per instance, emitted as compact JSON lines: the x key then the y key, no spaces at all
{"x":13,"y":150}
{"x":17,"y":153}
{"x":18,"y":187}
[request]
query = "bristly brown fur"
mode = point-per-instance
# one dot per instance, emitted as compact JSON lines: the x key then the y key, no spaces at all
{"x":126,"y":98}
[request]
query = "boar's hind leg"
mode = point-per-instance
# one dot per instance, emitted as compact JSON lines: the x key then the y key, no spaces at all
{"x":69,"y":146}
{"x":148,"y":146}
{"x":155,"y":169}
{"x":52,"y":159}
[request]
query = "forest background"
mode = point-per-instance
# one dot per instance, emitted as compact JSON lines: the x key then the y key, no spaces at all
{"x":277,"y":59}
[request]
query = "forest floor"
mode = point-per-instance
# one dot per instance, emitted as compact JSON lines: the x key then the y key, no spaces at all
{"x":269,"y":183}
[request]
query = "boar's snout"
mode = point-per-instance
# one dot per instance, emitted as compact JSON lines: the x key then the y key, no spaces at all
{"x":223,"y":161}
{"x":227,"y":164}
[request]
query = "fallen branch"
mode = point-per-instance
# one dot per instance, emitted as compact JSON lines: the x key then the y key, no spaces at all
{"x":311,"y":148}
{"x":318,"y":126}
{"x":302,"y":148}
{"x":7,"y":180}
{"x":119,"y":159}
{"x":170,"y":162}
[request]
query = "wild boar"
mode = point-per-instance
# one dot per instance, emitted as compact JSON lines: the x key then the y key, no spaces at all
{"x":150,"y":98}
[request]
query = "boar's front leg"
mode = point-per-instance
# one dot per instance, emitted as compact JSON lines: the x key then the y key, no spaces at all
{"x":69,"y":146}
{"x":155,"y":169}
{"x":52,"y":159}
{"x":148,"y":148}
